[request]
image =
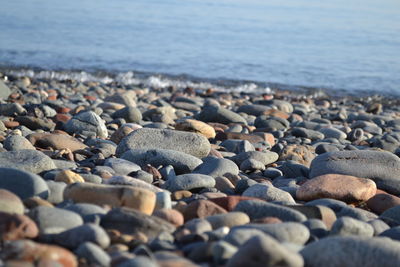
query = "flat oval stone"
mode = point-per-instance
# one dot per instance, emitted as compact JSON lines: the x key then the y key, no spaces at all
{"x":56,"y":141}
{"x":23,"y":184}
{"x":217,"y":167}
{"x":121,"y":166}
{"x":26,"y":160}
{"x":347,"y":226}
{"x":219,"y":114}
{"x":17,"y":142}
{"x":54,"y":220}
{"x":182,"y":162}
{"x":148,"y":138}
{"x":381,"y":167}
{"x":257,"y":209}
{"x":268,"y":193}
{"x":189,"y":181}
{"x":229,"y":219}
{"x":196,"y":126}
{"x":352,"y":252}
{"x":113,"y":195}
{"x":341,"y":187}
{"x":10,"y":203}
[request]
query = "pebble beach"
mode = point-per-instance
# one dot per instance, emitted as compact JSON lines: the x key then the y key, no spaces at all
{"x":110,"y":174}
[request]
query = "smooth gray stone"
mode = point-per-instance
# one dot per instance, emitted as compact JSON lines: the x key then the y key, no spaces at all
{"x":54,"y":220}
{"x":379,"y":226}
{"x":222,"y":251}
{"x":219,"y":114}
{"x":130,"y":114}
{"x":356,"y":213}
{"x":264,"y":251}
{"x":26,"y":160}
{"x":292,"y":169}
{"x":316,"y":227}
{"x":266,"y":158}
{"x":272,"y":172}
{"x":130,"y":221}
{"x":237,"y":236}
{"x":93,"y":254}
{"x":391,"y":216}
{"x":307,"y":133}
{"x":271,"y":123}
{"x":291,"y":232}
{"x":243,"y":184}
{"x":121,"y":166}
{"x":253,"y":109}
{"x":189,"y":181}
{"x":182,"y":162}
{"x":347,"y":226}
{"x":4,"y":90}
{"x":163,"y":200}
{"x":142,"y":175}
{"x":73,"y":237}
{"x":198,"y":226}
{"x":91,"y":178}
{"x":86,"y":121}
{"x":56,"y":191}
{"x":237,"y":146}
{"x":258,"y":209}
{"x":324,"y":148}
{"x":268,"y":193}
{"x":216,"y":167}
{"x":17,"y":142}
{"x":335,"y":205}
{"x":382,"y":167}
{"x":88,"y":212}
{"x":392,"y":233}
{"x":333,"y":133}
{"x":146,"y":138}
{"x":23,"y":184}
{"x":65,"y":164}
{"x":282,"y":105}
{"x":352,"y":252}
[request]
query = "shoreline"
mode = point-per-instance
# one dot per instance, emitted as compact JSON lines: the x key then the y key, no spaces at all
{"x":163,"y":80}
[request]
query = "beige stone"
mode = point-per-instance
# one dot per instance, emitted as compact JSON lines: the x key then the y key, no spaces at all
{"x":197,"y":127}
{"x":114,"y":195}
{"x":68,"y":177}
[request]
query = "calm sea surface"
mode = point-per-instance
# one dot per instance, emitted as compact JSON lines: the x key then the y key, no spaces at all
{"x":339,"y":44}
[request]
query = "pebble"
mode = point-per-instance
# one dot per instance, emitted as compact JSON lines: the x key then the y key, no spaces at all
{"x":346,"y":188}
{"x":56,"y":141}
{"x":147,"y":138}
{"x":381,"y":167}
{"x":382,"y":201}
{"x":264,"y":251}
{"x":68,"y":177}
{"x":219,"y":114}
{"x":351,"y":251}
{"x":201,"y":209}
{"x":16,"y":226}
{"x":190,"y":181}
{"x":216,"y":167}
{"x":121,"y":166}
{"x":172,"y":216}
{"x":229,"y":219}
{"x":54,"y":220}
{"x":17,"y":142}
{"x":137,"y":198}
{"x":268,"y":193}
{"x":347,"y":226}
{"x":26,"y":160}
{"x":181,"y":162}
{"x":86,"y":122}
{"x":23,"y":184}
{"x":196,"y":126}
{"x":10,"y":202}
{"x":129,"y":114}
{"x":93,"y":254}
{"x":88,"y":212}
{"x":257,"y":209}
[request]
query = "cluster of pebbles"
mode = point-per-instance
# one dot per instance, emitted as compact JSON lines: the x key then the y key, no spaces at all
{"x":116,"y":175}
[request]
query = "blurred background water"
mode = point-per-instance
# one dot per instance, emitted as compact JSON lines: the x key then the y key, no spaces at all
{"x":338,"y":44}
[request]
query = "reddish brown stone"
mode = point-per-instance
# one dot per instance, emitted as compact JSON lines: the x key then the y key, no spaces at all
{"x":276,"y":113}
{"x":382,"y":201}
{"x":201,"y":209}
{"x":170,"y":215}
{"x":38,"y":254}
{"x":16,"y":226}
{"x":341,"y":187}
{"x":62,"y":117}
{"x":56,"y":141}
{"x":229,"y":203}
{"x":63,"y":110}
{"x":11,"y":124}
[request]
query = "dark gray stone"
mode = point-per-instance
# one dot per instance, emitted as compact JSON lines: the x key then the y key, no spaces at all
{"x":121,"y":166}
{"x":347,"y":226}
{"x":93,"y":254}
{"x":219,"y":114}
{"x":130,"y":114}
{"x":391,"y":216}
{"x":17,"y":142}
{"x":23,"y":184}
{"x":182,"y":162}
{"x":87,"y":121}
{"x":307,"y":133}
{"x":258,"y":209}
{"x":88,"y":212}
